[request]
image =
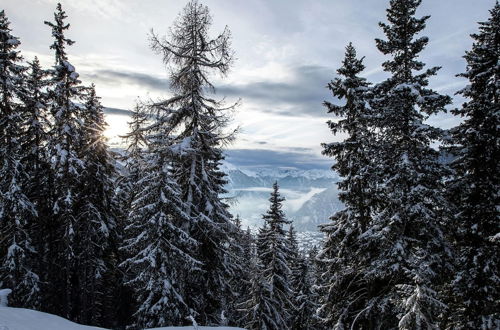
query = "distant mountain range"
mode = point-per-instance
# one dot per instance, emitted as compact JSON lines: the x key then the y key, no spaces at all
{"x":311,"y":195}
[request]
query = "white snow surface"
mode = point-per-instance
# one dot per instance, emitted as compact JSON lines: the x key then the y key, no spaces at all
{"x":27,"y":319}
{"x":4,"y":293}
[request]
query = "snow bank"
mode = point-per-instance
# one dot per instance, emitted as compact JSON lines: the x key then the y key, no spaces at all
{"x":4,"y":294}
{"x":27,"y":319}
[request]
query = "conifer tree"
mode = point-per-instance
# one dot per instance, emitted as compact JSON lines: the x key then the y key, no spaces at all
{"x":242,"y":254}
{"x":95,"y":222}
{"x":475,"y":189}
{"x":261,"y":309}
{"x":133,"y":159}
{"x":64,"y":149}
{"x":316,"y":272}
{"x":196,"y":123}
{"x":305,"y":297}
{"x":156,"y":241}
{"x":344,"y":255}
{"x":293,"y":246}
{"x":34,"y":153}
{"x":273,"y":250}
{"x":131,"y":164}
{"x":36,"y":125}
{"x":409,"y":256}
{"x":17,"y":212}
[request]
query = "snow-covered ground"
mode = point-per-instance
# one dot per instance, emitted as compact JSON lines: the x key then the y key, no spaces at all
{"x":27,"y":319}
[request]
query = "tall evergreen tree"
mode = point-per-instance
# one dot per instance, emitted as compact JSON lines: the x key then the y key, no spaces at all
{"x":17,"y":254}
{"x":273,"y":251}
{"x":36,"y":125}
{"x":475,"y":189}
{"x":34,"y":139}
{"x":156,"y":241}
{"x":133,"y":162}
{"x":95,"y":222}
{"x":303,"y":298}
{"x":345,"y":254}
{"x":64,"y":149}
{"x":261,"y":309}
{"x":196,"y":123}
{"x":242,"y":254}
{"x":293,"y":246}
{"x":409,"y":254}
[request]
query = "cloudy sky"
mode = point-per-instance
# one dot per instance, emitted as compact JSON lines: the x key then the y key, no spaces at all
{"x":286,"y":53}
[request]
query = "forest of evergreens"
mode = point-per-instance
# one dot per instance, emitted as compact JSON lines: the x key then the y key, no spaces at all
{"x":144,"y":238}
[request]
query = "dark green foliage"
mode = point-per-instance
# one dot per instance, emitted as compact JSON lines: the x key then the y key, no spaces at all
{"x":475,"y":187}
{"x":411,"y":255}
{"x":386,"y":254}
{"x":344,"y":255}
{"x":271,"y":288}
{"x":242,"y":251}
{"x":96,"y":227}
{"x":35,"y":134}
{"x":64,"y":151}
{"x":196,"y":124}
{"x":17,"y":212}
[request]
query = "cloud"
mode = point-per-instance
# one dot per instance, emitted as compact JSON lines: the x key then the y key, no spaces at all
{"x":306,"y":159}
{"x":116,"y":111}
{"x":110,"y":77}
{"x":302,"y":95}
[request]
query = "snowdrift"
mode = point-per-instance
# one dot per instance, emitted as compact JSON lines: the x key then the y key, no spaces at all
{"x":27,"y":319}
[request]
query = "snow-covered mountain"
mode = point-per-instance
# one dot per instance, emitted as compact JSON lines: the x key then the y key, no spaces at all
{"x":318,"y":209}
{"x":311,"y":195}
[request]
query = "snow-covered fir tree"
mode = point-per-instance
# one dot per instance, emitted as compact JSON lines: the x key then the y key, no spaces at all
{"x":17,"y":212}
{"x":261,"y":310}
{"x":133,"y":164}
{"x":303,"y":297}
{"x":34,"y":151}
{"x":197,"y":123}
{"x":273,"y":251}
{"x":344,"y":255}
{"x":294,"y":260}
{"x":312,"y":258}
{"x":409,"y":255}
{"x":293,"y":246}
{"x":64,"y":149}
{"x":133,"y":159}
{"x":157,"y":241}
{"x":95,"y":222}
{"x":475,"y":190}
{"x":242,"y":255}
{"x":35,"y":136}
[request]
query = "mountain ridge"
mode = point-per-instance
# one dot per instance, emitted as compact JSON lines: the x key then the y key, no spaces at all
{"x":311,"y":195}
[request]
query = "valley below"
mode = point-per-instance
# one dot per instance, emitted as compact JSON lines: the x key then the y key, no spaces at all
{"x":311,"y":195}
